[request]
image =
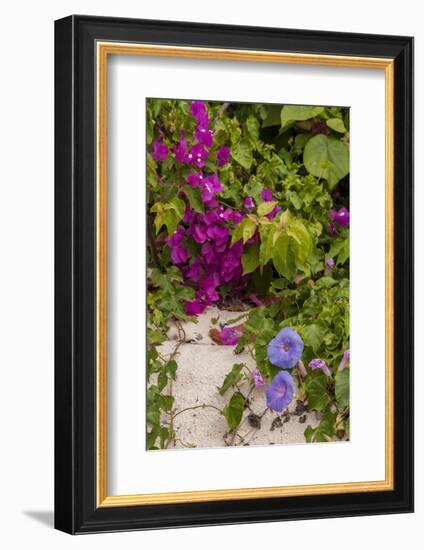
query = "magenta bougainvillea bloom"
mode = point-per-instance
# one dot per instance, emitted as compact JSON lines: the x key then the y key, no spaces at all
{"x":345,"y":359}
{"x":329,"y":263}
{"x":199,"y":113}
{"x":179,"y":255}
{"x":204,"y":136}
{"x":209,"y":186}
{"x":194,"y":307}
{"x":159,"y":150}
{"x":230,"y":336}
{"x":320,"y":364}
{"x":180,"y":150}
{"x":267,"y":196}
{"x":332,"y":229}
{"x":195,"y":179}
{"x":194,"y":271}
{"x":285,"y":350}
{"x":279,"y":394}
{"x":197,"y":155}
{"x":342,"y":216}
{"x":257,"y":378}
{"x":222,"y":156}
{"x":248,"y":203}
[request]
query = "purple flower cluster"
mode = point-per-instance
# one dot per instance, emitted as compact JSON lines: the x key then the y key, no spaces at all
{"x":218,"y":262}
{"x":341,"y":217}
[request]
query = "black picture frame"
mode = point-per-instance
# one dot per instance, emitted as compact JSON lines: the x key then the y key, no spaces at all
{"x":76,"y":510}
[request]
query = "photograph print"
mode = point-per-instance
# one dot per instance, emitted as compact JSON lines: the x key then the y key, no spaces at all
{"x":247,"y":274}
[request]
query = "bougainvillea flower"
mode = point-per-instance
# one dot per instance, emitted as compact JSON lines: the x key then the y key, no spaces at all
{"x":209,"y":254}
{"x":210,"y":186}
{"x":320,"y":364}
{"x":198,"y":232}
{"x":188,"y":215}
{"x":222,"y":156}
{"x":230,"y":264}
{"x":266,"y":195}
{"x":207,"y":295}
{"x":345,"y":359}
{"x":197,"y":155}
{"x":179,"y":255}
{"x":257,"y":378}
{"x":194,"y":272}
{"x":341,"y":217}
{"x":279,"y":394}
{"x":285,"y":350}
{"x":177,"y":237}
{"x":195,"y":179}
{"x":204,"y":136}
{"x":230,"y":336}
{"x":199,"y":113}
{"x":332,"y":229}
{"x":248,"y":203}
{"x":274,"y":212}
{"x":180,"y":150}
{"x":329,"y":263}
{"x":217,"y":234}
{"x":160,"y":150}
{"x":236,"y":217}
{"x":194,"y":307}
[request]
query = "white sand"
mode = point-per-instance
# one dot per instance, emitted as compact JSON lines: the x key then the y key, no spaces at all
{"x":202,"y":366}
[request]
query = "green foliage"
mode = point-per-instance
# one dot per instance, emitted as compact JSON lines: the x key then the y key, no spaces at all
{"x":324,"y":432}
{"x":294,"y":113}
{"x":233,"y":411}
{"x":168,"y":214}
{"x":342,"y":387}
{"x":232,"y":378}
{"x":300,"y":154}
{"x":327,"y":157}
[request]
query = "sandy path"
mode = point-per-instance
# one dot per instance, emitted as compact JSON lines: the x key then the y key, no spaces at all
{"x":202,"y":366}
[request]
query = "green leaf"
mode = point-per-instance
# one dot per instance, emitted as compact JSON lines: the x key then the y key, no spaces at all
{"x":250,"y":258}
{"x":273,"y":117}
{"x":315,"y":386}
{"x":325,"y":430}
{"x":178,"y":206}
{"x":162,"y":380}
{"x":194,"y":198}
{"x":266,"y":207}
{"x":326,"y":157}
{"x":303,"y":241}
{"x":344,"y":252}
{"x":252,"y":124}
{"x":244,"y":230}
{"x":336,"y":124}
{"x":232,"y":378}
{"x":313,"y":336}
{"x":242,"y":153}
{"x":233,"y":411}
{"x":342,"y":388}
{"x":153,"y":418}
{"x":293,"y":113}
{"x":151,"y":437}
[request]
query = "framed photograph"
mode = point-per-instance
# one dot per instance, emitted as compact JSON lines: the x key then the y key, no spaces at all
{"x":234,"y":274}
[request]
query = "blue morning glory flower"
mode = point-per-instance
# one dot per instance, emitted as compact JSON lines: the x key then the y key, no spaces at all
{"x":279,"y":394}
{"x":285,"y":350}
